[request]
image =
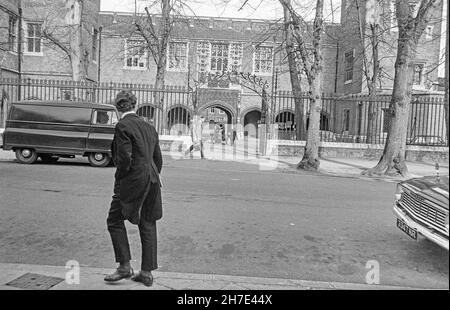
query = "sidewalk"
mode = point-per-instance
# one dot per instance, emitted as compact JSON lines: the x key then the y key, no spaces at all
{"x":341,"y":167}
{"x":92,"y":279}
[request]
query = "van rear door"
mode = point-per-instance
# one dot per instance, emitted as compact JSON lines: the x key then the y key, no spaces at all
{"x":101,"y":132}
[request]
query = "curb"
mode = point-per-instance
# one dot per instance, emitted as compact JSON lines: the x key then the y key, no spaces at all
{"x":180,"y":281}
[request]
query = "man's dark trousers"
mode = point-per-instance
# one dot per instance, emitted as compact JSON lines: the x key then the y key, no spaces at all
{"x":147,"y":231}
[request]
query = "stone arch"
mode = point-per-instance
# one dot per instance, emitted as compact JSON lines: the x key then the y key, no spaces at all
{"x":231,"y":113}
{"x":285,"y":119}
{"x":178,"y":118}
{"x":147,"y":111}
{"x":250,"y":119}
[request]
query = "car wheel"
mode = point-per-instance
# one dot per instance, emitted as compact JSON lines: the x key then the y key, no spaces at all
{"x":47,"y":158}
{"x":26,"y":156}
{"x":99,"y":159}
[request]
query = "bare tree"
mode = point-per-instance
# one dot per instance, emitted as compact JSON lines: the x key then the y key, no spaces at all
{"x":294,"y":72}
{"x":410,"y":30}
{"x":311,"y":63}
{"x":157,"y":35}
{"x":67,"y":35}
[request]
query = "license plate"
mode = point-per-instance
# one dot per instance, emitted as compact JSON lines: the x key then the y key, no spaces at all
{"x":412,"y":232}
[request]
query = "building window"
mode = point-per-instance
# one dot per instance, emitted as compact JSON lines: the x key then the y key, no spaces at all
{"x":346,"y":119}
{"x":219,"y":57}
{"x":136,"y":54}
{"x":418,"y":74}
{"x":263,"y":59}
{"x":34,"y":38}
{"x":349,"y":59}
{"x":212,"y":110}
{"x":12,"y":33}
{"x":203,"y":53}
{"x":94,"y":44}
{"x":236,"y":57}
{"x":178,"y":56}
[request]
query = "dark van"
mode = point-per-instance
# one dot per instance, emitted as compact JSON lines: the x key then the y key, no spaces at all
{"x":50,"y":130}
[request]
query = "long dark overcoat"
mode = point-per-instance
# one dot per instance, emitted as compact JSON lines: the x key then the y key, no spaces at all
{"x":137,"y":156}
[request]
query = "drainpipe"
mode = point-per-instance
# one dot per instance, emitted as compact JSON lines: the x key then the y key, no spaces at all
{"x":337,"y":65}
{"x":20,"y":50}
{"x":99,"y":53}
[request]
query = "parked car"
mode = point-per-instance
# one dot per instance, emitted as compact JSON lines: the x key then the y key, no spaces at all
{"x":421,"y":208}
{"x":427,"y":140}
{"x":49,"y":130}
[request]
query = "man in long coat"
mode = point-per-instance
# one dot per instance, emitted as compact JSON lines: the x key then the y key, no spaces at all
{"x":137,"y":190}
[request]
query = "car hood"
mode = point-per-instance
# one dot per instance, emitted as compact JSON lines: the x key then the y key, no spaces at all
{"x":430,"y":186}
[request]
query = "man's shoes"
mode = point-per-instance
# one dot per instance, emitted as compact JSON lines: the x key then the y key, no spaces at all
{"x":119,"y":274}
{"x":145,"y":278}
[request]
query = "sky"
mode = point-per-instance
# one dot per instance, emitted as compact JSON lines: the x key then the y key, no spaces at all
{"x":265,"y":9}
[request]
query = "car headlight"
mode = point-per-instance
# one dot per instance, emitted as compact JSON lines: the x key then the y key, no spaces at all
{"x":398,"y":193}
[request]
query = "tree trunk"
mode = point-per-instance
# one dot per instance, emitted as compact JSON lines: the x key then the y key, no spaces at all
{"x":165,"y":29}
{"x":393,"y":160}
{"x":372,"y":86}
{"x":410,"y":29}
{"x":310,"y":160}
{"x":76,"y":43}
{"x":294,"y":73}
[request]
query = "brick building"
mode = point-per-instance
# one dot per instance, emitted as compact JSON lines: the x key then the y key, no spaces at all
{"x":9,"y":38}
{"x":114,"y":52}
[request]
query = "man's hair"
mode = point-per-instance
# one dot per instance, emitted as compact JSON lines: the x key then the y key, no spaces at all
{"x":125,"y":101}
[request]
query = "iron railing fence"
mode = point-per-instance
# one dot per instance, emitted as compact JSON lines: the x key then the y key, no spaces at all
{"x":350,"y":118}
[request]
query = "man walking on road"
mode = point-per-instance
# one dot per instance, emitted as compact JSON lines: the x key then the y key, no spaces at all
{"x":137,"y":193}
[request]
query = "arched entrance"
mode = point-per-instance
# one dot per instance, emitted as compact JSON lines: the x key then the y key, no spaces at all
{"x":251,"y":121}
{"x":147,"y":112}
{"x":218,"y":117}
{"x":286,"y":125}
{"x":178,"y":120}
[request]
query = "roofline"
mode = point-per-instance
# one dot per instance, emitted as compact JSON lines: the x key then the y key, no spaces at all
{"x":203,"y":17}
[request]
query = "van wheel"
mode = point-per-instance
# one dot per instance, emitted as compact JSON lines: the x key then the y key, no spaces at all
{"x":99,"y":159}
{"x":26,"y":156}
{"x":47,"y":158}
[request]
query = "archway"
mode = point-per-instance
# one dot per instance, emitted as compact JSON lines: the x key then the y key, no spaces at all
{"x":251,"y":121}
{"x":218,"y":117}
{"x":147,"y":112}
{"x":178,"y":121}
{"x":286,"y":125}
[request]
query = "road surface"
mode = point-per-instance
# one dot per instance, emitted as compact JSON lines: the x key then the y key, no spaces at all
{"x":220,"y":217}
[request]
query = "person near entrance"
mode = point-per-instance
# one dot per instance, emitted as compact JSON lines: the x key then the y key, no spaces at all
{"x":196,"y":129}
{"x":137,"y":190}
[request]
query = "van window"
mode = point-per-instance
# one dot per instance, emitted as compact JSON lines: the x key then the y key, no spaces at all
{"x":104,"y":117}
{"x":51,"y":114}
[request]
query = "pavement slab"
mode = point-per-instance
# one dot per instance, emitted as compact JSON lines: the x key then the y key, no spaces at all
{"x":92,"y":279}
